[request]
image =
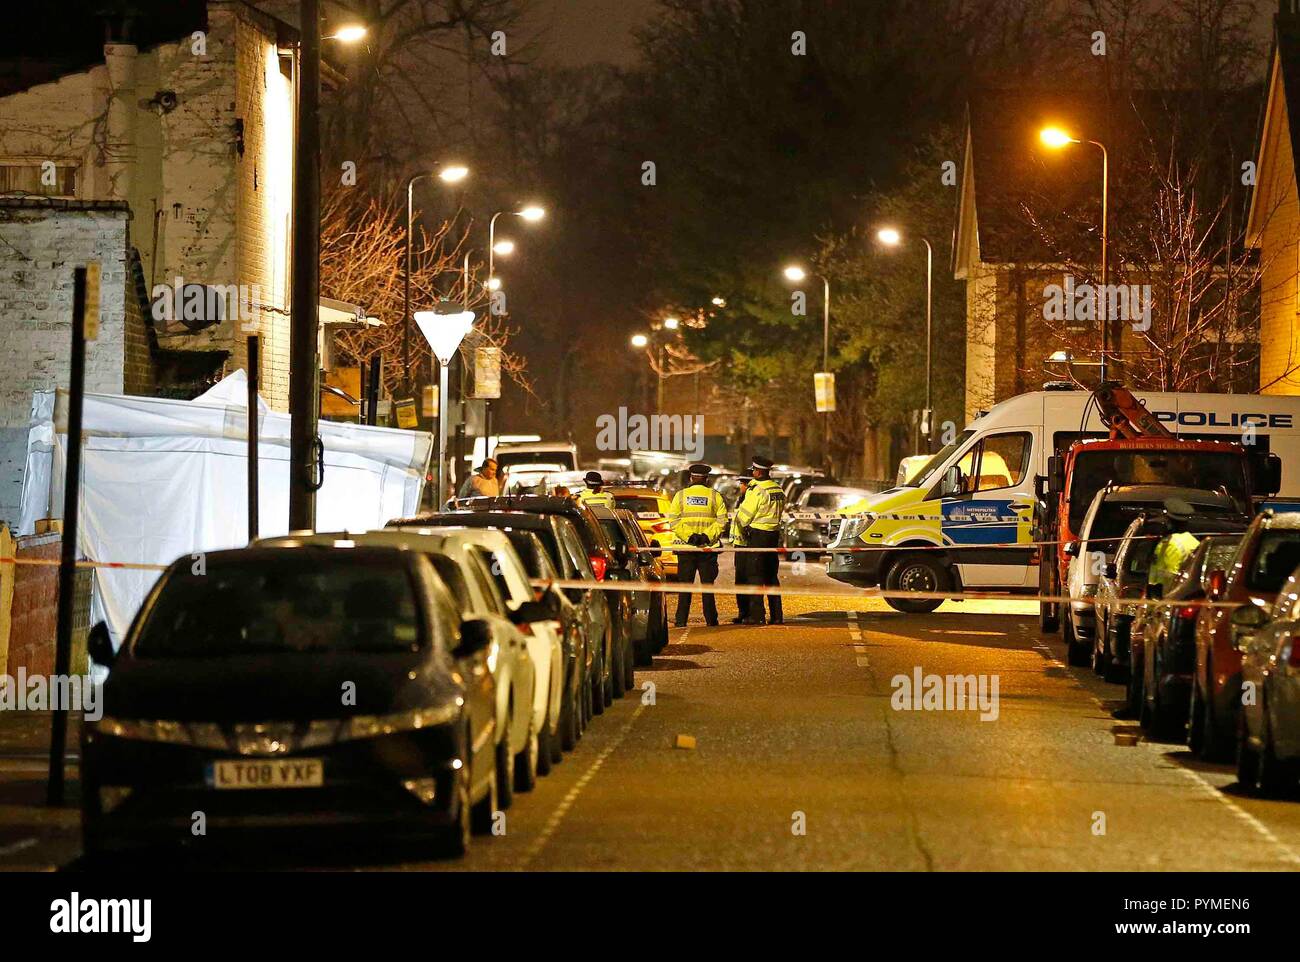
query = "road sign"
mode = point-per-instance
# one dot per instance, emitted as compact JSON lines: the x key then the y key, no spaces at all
{"x":487,"y":372}
{"x":824,"y":391}
{"x":406,"y":413}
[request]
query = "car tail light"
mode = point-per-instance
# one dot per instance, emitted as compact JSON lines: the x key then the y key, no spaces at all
{"x":598,"y":566}
{"x":1187,"y":611}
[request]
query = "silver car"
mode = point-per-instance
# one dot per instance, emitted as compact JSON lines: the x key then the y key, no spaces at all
{"x":1268,"y":739}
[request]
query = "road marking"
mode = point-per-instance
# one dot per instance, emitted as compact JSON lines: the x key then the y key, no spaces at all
{"x":562,"y":809}
{"x":1217,"y":794}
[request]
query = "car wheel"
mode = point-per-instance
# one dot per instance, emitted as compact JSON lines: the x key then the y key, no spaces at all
{"x":629,"y":668}
{"x":92,"y":819}
{"x":918,"y":574}
{"x":455,"y":837}
{"x":1196,"y":722}
{"x":1076,"y":650}
{"x":1049,"y":617}
{"x":1136,"y":696}
{"x":1217,"y":744}
{"x":1100,"y":659}
{"x":484,"y":811}
{"x":526,"y":762}
{"x":556,"y":744}
{"x":1247,"y":760}
{"x":545,"y":756}
{"x":598,"y":690}
{"x":1273,"y":776}
{"x":569,"y":723}
{"x":505,"y":774}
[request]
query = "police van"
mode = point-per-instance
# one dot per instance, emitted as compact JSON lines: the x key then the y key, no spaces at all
{"x":978,"y":496}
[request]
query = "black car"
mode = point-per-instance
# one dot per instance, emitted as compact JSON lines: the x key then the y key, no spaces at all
{"x":637,"y":562}
{"x":580,"y":551}
{"x":321,"y":686}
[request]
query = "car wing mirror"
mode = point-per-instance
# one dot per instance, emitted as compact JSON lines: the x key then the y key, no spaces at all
{"x":531,"y":611}
{"x":1110,"y":571}
{"x":952,"y":483}
{"x":99,"y":645}
{"x":475,"y":637}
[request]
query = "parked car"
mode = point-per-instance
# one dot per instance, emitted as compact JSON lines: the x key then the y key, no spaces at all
{"x":1112,"y":509}
{"x":543,"y":638}
{"x":1268,"y":737}
{"x":1169,"y":638}
{"x":1268,"y":553}
{"x":637,"y":562}
{"x":465,"y":568}
{"x":807,"y":523}
{"x":319,"y":685}
{"x":651,"y":508}
{"x":1124,"y":587}
{"x":616,"y":658}
{"x":570,"y":558}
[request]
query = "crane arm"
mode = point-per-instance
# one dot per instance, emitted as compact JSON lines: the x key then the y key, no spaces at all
{"x":1126,"y":416}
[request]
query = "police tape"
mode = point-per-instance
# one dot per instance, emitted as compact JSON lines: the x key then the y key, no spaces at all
{"x":860,"y":594}
{"x":858,"y":549}
{"x":84,"y":563}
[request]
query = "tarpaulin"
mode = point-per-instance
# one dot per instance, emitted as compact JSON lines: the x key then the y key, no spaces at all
{"x":163,"y":478}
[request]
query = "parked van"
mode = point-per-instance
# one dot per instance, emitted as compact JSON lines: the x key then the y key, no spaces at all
{"x":1002,"y":463}
{"x":561,"y":453}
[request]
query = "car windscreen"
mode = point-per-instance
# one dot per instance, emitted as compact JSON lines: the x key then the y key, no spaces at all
{"x":641,"y":506}
{"x":1278,"y":556}
{"x":614,"y":531}
{"x":295,"y":603}
{"x":1206,"y":470}
{"x":832,"y":501}
{"x":922,"y":477}
{"x":563,"y":459}
{"x":1113,"y":517}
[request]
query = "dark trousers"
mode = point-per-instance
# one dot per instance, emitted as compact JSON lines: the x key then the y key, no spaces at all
{"x":689,"y":563}
{"x":765,"y":570}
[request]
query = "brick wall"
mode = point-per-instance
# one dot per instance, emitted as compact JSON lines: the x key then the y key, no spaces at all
{"x":1279,"y":212}
{"x":39,"y":247}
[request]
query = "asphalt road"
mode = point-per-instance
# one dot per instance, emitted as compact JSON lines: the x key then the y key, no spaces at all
{"x":800,"y":760}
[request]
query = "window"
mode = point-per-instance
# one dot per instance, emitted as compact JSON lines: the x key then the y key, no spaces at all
{"x":452,"y":577}
{"x":1000,"y":460}
{"x":480,"y":567}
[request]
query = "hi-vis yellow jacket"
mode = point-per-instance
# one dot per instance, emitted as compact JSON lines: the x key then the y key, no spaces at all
{"x":762,"y":508}
{"x":697,"y":509}
{"x":592,"y":498}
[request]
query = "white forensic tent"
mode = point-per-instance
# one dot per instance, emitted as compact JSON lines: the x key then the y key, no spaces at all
{"x":162,"y":479}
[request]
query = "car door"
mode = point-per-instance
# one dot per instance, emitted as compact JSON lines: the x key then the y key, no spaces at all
{"x":994,"y":509}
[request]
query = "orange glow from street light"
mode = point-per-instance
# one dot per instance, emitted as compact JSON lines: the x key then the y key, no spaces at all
{"x":453,"y":173}
{"x":794,"y":273}
{"x":640,"y":340}
{"x":1055,"y":137}
{"x":889,"y":236}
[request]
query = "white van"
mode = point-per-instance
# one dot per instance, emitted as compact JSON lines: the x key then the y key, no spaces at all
{"x":561,"y":453}
{"x":1003,"y":453}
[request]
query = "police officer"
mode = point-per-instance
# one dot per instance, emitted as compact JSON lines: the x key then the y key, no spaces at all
{"x":592,"y":494}
{"x":759,"y":521}
{"x":698,"y":516}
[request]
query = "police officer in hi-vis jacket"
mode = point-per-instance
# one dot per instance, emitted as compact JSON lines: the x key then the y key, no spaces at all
{"x":698,"y":516}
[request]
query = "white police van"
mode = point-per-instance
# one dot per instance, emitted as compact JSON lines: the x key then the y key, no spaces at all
{"x":1001,"y":456}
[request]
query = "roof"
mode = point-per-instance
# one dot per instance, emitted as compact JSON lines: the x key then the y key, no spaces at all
{"x":1283,"y":92}
{"x":1008,"y":171}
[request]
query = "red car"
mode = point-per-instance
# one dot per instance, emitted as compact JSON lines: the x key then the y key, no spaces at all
{"x":1269,"y":551}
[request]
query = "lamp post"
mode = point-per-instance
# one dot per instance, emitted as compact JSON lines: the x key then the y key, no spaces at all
{"x":1056,"y":139}
{"x":444,"y":329}
{"x":795,"y":275}
{"x":532,"y":213}
{"x":304,"y":319}
{"x":890,"y":237}
{"x":448,"y":174}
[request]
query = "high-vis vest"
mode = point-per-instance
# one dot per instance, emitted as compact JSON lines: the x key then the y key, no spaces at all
{"x":697,"y":509}
{"x":592,"y":498}
{"x":762,"y":508}
{"x":1170,"y":554}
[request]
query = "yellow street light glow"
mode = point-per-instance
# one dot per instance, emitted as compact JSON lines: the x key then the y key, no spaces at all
{"x":453,"y":173}
{"x":1055,"y":137}
{"x":640,"y":340}
{"x":671,"y":323}
{"x":890,"y":236}
{"x":795,"y":274}
{"x":494,"y":284}
{"x":504,"y":247}
{"x":719,"y":302}
{"x":349,"y":34}
{"x":533,"y":213}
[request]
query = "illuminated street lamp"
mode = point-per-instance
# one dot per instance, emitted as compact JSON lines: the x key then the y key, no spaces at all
{"x":532,"y":213}
{"x":672,"y":323}
{"x":890,"y":237}
{"x":1056,"y":139}
{"x":640,"y":340}
{"x":448,"y":174}
{"x":719,"y":302}
{"x":504,"y":247}
{"x":795,"y":275}
{"x":350,"y":33}
{"x":444,"y":328}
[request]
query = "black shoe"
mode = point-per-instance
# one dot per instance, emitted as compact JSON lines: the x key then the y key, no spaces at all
{"x":754,"y":621}
{"x":712,"y":624}
{"x":679,"y":624}
{"x":777,"y":621}
{"x":738,"y":620}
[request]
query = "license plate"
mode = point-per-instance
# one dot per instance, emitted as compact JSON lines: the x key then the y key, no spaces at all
{"x":267,"y":773}
{"x":649,"y":515}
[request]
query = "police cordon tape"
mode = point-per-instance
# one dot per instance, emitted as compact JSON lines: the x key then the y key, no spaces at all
{"x":982,"y":546}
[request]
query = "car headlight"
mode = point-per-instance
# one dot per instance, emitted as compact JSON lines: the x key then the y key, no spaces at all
{"x":145,"y":730}
{"x":371,"y":726}
{"x":852,"y":527}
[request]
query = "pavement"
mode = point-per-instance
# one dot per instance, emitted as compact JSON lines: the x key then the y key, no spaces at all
{"x":784,"y":748}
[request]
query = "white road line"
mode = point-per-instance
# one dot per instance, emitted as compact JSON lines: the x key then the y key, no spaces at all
{"x":557,"y":816}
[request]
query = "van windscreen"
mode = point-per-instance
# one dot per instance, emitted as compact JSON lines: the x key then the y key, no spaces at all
{"x":1206,"y":470}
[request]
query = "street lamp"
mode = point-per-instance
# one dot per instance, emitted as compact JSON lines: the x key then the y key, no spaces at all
{"x":444,"y":329}
{"x":796,"y":274}
{"x":640,"y":340}
{"x":1055,"y":138}
{"x":448,"y":174}
{"x":719,"y":302}
{"x":890,"y":237}
{"x":531,"y":213}
{"x":350,"y":33}
{"x":304,"y":319}
{"x":672,"y":323}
